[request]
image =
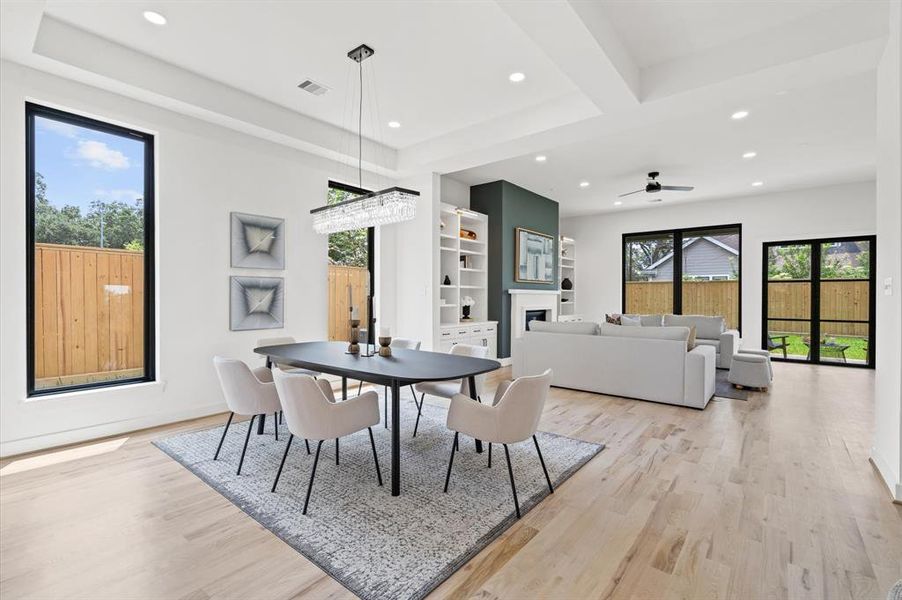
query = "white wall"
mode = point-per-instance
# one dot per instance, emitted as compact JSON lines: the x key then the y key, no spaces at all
{"x":203,"y":172}
{"x":835,"y":210}
{"x":455,"y":192}
{"x":886,"y":452}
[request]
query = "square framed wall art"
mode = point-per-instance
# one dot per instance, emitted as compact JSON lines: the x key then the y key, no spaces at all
{"x":256,"y":303}
{"x":258,"y":242}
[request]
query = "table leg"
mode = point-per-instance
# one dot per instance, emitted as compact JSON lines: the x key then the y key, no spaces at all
{"x":262,"y":422}
{"x":395,"y":438}
{"x":344,"y":388}
{"x":472,"y":385}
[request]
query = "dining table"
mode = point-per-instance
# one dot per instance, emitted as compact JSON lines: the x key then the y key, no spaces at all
{"x":403,"y":367}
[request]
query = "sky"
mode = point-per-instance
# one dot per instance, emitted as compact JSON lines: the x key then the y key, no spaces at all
{"x":81,"y":165}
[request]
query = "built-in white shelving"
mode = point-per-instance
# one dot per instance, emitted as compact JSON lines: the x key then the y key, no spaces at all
{"x":567,"y":269}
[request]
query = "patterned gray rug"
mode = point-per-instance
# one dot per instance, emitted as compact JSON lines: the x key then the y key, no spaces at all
{"x":376,"y":545}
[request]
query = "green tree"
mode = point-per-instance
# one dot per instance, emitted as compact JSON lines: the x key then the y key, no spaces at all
{"x":789,"y":262}
{"x":122,"y":224}
{"x":54,"y":225}
{"x":642,"y":253}
{"x":347,"y":248}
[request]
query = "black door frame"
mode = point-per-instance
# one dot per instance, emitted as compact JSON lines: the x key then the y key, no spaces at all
{"x":815,"y":308}
{"x":678,"y":236}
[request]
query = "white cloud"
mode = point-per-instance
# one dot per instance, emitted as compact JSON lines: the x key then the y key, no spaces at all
{"x":123,"y":195}
{"x":100,"y":155}
{"x":57,"y":127}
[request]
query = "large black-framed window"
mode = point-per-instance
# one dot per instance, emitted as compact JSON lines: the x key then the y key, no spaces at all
{"x":345,"y":250}
{"x":818,"y":300}
{"x":695,"y":270}
{"x":89,"y":253}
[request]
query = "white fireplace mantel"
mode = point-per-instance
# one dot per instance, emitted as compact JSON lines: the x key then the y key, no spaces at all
{"x":523,"y":300}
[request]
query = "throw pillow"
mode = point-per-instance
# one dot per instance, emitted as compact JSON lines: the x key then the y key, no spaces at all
{"x":612,"y":319}
{"x":630,"y":321}
{"x":690,"y":344}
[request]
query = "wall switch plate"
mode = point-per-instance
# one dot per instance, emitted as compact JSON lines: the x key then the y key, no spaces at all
{"x":888,"y":286}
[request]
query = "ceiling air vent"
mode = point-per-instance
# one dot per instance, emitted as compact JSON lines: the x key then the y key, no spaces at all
{"x":317,"y":89}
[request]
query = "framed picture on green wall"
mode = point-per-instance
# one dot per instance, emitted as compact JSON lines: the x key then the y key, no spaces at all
{"x":535,"y":257}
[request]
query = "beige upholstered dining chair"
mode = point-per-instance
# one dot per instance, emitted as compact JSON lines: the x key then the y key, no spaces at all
{"x":278,"y":341}
{"x":247,"y":392}
{"x":448,"y":389}
{"x":513,"y":417}
{"x":312,"y":413}
{"x":396,"y":343}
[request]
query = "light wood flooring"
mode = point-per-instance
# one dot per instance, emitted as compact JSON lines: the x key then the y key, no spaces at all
{"x":769,"y":498}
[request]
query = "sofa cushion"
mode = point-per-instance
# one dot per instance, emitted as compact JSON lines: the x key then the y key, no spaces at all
{"x":573,"y":327}
{"x":706,"y":328}
{"x":713,"y":343}
{"x":680,"y":334}
{"x":648,"y":320}
{"x":628,"y":321}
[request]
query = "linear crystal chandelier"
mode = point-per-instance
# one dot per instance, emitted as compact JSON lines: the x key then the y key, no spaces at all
{"x":391,"y":205}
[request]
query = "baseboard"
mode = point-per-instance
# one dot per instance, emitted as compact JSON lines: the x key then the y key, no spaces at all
{"x":84,"y":434}
{"x":505,"y":362}
{"x":890,"y":478}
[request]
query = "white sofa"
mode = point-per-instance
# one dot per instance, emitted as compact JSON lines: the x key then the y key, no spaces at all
{"x":647,"y":363}
{"x":709,"y":331}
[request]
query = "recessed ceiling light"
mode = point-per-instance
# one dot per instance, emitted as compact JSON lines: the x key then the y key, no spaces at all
{"x":739,"y":114}
{"x":750,"y":154}
{"x":516,"y":77}
{"x":394,"y":124}
{"x":541,"y":158}
{"x":757,"y":183}
{"x":618,"y":203}
{"x":583,"y":184}
{"x":154,"y":17}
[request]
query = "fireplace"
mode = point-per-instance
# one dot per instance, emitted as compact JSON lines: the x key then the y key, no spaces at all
{"x":534,"y":315}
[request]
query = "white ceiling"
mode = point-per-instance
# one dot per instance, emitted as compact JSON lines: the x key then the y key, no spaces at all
{"x":439,"y":66}
{"x":614,"y":88}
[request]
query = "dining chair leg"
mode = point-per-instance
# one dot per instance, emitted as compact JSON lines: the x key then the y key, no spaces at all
{"x":451,"y":461}
{"x":490,"y":455}
{"x":222,"y":439}
{"x":336,"y":451}
{"x":542,"y":460}
{"x":414,"y":392}
{"x":247,"y":438}
{"x":282,"y":464}
{"x":275,"y":424}
{"x":375,"y":457}
{"x":307,"y":443}
{"x":419,"y":411}
{"x":510,"y":471}
{"x":359,"y":387}
{"x":319,"y":446}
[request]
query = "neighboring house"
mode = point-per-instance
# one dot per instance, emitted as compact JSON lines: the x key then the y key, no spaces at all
{"x":706,"y":257}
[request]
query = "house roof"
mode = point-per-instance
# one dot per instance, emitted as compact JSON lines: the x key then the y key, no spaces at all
{"x":730,"y":243}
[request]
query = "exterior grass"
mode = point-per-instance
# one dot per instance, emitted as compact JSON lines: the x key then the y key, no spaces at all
{"x":857,"y":347}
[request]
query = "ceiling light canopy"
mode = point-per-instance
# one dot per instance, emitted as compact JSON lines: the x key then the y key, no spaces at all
{"x":541,"y":158}
{"x":154,"y":17}
{"x":391,"y":205}
{"x":739,"y":115}
{"x":516,"y":77}
{"x":750,"y":154}
{"x":394,"y":124}
{"x":583,"y":184}
{"x":757,"y":183}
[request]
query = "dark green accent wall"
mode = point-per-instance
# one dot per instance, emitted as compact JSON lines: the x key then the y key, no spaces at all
{"x":509,"y":206}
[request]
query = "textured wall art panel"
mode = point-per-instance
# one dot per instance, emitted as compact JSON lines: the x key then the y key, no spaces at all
{"x":257,"y":242}
{"x":256,"y":303}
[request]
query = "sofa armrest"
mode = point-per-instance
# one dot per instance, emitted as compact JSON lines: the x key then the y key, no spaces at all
{"x":729,"y":345}
{"x":699,"y":377}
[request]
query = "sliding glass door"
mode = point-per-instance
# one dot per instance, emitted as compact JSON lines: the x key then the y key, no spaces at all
{"x":818,"y":301}
{"x":648,"y":273}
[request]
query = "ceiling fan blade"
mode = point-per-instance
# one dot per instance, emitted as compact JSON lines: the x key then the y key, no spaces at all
{"x":631,"y":193}
{"x":678,"y":188}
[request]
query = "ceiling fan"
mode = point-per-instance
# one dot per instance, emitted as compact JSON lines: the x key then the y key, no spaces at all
{"x":654,"y":186}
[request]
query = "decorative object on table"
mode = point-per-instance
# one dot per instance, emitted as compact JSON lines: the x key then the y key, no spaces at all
{"x":384,"y":342}
{"x":467,"y":234}
{"x":534,"y":256}
{"x":257,"y":242}
{"x":446,"y":280}
{"x":354,"y":337}
{"x":256,"y":303}
{"x":566,"y":284}
{"x":348,"y":505}
{"x":466,"y":303}
{"x":391,"y":205}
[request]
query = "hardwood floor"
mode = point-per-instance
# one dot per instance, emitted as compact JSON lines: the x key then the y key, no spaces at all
{"x":769,"y":498}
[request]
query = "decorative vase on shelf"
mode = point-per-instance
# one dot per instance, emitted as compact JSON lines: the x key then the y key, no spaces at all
{"x":447,"y":280}
{"x":466,"y":316}
{"x":566,"y":284}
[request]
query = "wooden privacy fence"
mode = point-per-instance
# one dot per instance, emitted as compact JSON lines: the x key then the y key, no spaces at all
{"x":716,"y":298}
{"x":339,"y":278}
{"x":89,"y":314}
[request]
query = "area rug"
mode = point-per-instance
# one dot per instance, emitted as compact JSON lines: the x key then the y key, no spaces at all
{"x":725,"y":389}
{"x":376,"y":545}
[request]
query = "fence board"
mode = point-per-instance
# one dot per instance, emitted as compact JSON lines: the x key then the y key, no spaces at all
{"x":339,"y":278}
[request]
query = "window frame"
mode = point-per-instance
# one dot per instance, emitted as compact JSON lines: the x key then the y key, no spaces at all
{"x":33,"y":110}
{"x":679,"y":234}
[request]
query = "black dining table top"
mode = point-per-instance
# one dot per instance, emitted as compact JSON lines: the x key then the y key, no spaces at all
{"x":402,"y":366}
